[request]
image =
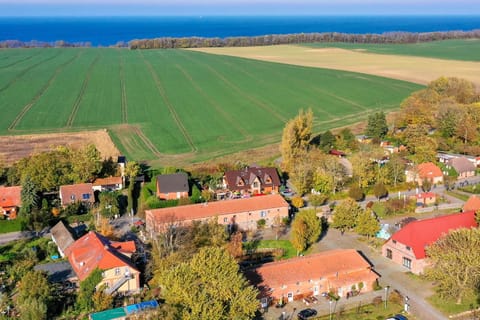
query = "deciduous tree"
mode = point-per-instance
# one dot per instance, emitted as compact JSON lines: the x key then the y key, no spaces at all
{"x":305,"y":230}
{"x":455,"y":263}
{"x":377,"y":126}
{"x":367,"y":224}
{"x":345,"y":215}
{"x":296,"y":138}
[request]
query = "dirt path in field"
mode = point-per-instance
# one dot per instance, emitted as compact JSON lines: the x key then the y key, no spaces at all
{"x":14,"y":148}
{"x":409,"y":68}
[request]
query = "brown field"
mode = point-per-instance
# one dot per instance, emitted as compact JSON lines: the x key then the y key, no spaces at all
{"x":414,"y":69}
{"x":14,"y":148}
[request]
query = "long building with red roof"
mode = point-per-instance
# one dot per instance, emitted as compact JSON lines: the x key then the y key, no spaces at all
{"x":407,"y":246}
{"x":331,"y":271}
{"x":95,"y":251}
{"x":243,"y":213}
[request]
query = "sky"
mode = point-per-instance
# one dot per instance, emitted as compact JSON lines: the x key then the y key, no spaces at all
{"x":235,"y":7}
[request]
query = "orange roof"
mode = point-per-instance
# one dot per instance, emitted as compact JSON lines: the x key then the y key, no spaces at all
{"x":77,"y":192}
{"x":107,"y":181}
{"x":95,"y":251}
{"x":211,"y":209}
{"x":10,"y":196}
{"x":429,"y":170}
{"x":472,"y":204}
{"x":341,"y":262}
{"x":426,"y":195}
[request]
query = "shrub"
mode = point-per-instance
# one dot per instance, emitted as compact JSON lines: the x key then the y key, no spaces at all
{"x":261,"y":223}
{"x":297,"y":202}
{"x":377,"y":301}
{"x":356,"y":193}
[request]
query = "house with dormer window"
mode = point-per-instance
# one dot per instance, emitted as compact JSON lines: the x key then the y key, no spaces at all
{"x":253,"y":180}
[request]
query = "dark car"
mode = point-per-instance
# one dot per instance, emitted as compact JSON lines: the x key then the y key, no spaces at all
{"x":398,"y":317}
{"x":307,"y":313}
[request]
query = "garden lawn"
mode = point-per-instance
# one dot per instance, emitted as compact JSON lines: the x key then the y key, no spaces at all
{"x":286,"y":245}
{"x":450,"y":306}
{"x":7,"y":226}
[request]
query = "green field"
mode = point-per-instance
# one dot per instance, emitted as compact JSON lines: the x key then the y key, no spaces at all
{"x":466,"y":50}
{"x":167,"y":102}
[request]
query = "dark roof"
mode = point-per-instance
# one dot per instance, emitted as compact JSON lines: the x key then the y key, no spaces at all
{"x":422,"y":233}
{"x":176,"y":182}
{"x":57,"y":271}
{"x":122,"y":159}
{"x":247,"y":175}
{"x":63,"y":235}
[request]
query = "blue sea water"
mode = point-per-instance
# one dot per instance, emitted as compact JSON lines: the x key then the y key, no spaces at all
{"x":109,"y":30}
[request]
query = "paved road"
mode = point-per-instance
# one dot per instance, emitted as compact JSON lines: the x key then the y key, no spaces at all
{"x":11,"y":236}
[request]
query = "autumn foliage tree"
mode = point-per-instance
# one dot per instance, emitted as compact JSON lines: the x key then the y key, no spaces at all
{"x":345,"y":215}
{"x":305,"y":229}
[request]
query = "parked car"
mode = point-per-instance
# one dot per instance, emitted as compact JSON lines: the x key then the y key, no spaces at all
{"x":307,"y":313}
{"x":398,"y":317}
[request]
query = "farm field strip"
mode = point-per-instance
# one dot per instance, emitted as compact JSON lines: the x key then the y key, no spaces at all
{"x":415,"y":69}
{"x":24,"y":90}
{"x":171,"y":108}
{"x":466,"y":50}
{"x":102,"y":93}
{"x":54,"y":107}
{"x":78,"y":100}
{"x":9,"y":63}
{"x":180,"y":105}
{"x":18,"y":75}
{"x":41,"y":91}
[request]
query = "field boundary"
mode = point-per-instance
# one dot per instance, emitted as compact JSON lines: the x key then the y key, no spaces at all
{"x":40,"y":93}
{"x":15,"y":62}
{"x":240,"y":91}
{"x":24,"y":71}
{"x":78,"y":100}
{"x":174,"y":114}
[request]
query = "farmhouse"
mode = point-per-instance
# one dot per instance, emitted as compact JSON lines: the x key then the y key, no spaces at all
{"x":95,"y":251}
{"x":424,"y":171}
{"x":172,"y":186}
{"x":82,"y":192}
{"x":253,"y":180}
{"x":407,"y":246}
{"x":464,"y":167}
{"x":239,"y":213}
{"x":10,"y":201}
{"x":340,"y":271}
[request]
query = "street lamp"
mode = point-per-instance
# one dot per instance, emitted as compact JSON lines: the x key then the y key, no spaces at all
{"x":386,"y":295}
{"x":331,"y":303}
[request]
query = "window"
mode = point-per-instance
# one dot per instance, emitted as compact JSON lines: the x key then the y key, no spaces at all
{"x":389,"y":254}
{"x":72,"y":197}
{"x":394,"y":241}
{"x":255,"y":184}
{"x":407,"y":247}
{"x":225,"y":220}
{"x":85,"y":196}
{"x":263,"y":214}
{"x":117,"y":271}
{"x":407,"y":263}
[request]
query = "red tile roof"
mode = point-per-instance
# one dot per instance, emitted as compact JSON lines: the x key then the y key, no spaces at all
{"x":472,"y":204}
{"x":422,"y":233}
{"x":77,"y":192}
{"x":428,"y":170}
{"x":342,"y":262}
{"x":107,"y":181}
{"x":10,"y":197}
{"x":92,"y":251}
{"x":211,"y":209}
{"x":426,"y":195}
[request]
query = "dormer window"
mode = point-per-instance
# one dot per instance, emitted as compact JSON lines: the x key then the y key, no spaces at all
{"x":72,"y":197}
{"x":86,"y":196}
{"x":268,"y":179}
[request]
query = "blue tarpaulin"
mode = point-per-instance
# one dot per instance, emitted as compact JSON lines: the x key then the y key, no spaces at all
{"x":139,"y":307}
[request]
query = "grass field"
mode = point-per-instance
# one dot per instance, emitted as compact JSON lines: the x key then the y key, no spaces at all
{"x":178,"y":105}
{"x":422,"y":65}
{"x":466,"y":50}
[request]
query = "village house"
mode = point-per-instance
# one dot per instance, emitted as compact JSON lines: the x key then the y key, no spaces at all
{"x":95,"y":251}
{"x":339,"y":271}
{"x":172,"y":186}
{"x":62,"y":236}
{"x":242,"y":214}
{"x":407,"y":246}
{"x":10,"y":201}
{"x":464,"y":167}
{"x":472,"y":204}
{"x":424,"y":171}
{"x":82,"y":192}
{"x":108,"y":184}
{"x":425,"y":198}
{"x":252,"y":180}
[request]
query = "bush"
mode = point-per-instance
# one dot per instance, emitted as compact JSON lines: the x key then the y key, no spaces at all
{"x":261,"y":223}
{"x":356,"y":193}
{"x":298,"y":202}
{"x":377,"y":301}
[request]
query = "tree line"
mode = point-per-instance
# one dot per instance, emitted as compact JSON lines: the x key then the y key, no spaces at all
{"x":264,"y":40}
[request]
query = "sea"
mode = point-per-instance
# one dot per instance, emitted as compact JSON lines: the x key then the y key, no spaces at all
{"x":105,"y":31}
